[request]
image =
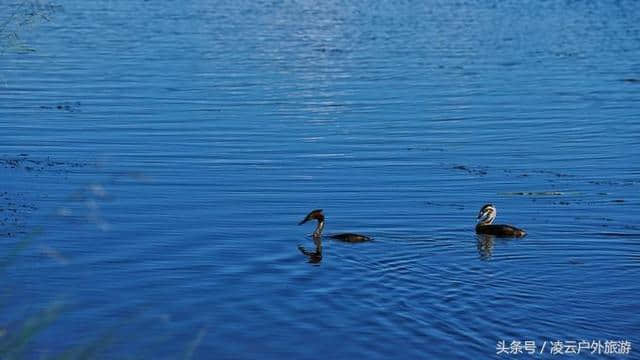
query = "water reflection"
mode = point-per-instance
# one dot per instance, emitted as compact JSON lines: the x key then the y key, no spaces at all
{"x":315,"y":257}
{"x":484,"y":244}
{"x":395,"y":115}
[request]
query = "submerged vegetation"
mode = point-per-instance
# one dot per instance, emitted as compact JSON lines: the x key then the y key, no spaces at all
{"x":20,"y":336}
{"x":15,"y":18}
{"x":20,"y":16}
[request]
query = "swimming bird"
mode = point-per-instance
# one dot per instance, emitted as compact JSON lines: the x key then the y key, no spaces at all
{"x":485,"y":225}
{"x":317,"y":233}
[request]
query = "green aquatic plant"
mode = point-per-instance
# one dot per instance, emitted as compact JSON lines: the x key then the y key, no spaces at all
{"x":18,"y":339}
{"x":13,"y":253}
{"x":15,"y":338}
{"x":13,"y":344}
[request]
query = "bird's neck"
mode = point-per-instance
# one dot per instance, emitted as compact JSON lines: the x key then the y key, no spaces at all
{"x":318,"y":231}
{"x":488,"y":221}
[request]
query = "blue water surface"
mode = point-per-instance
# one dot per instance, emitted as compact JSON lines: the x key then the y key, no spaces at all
{"x":156,"y":157}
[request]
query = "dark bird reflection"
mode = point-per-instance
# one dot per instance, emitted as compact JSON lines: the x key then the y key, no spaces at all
{"x":485,"y":243}
{"x":315,"y":257}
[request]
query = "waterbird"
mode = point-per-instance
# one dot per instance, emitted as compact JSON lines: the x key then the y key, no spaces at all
{"x":485,"y":225}
{"x":317,"y":233}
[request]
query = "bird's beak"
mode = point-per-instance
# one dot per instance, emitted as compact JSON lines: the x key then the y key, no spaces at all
{"x":303,"y":221}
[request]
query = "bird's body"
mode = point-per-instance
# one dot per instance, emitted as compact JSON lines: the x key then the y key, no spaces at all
{"x":485,"y":225}
{"x":350,"y":237}
{"x":317,"y":233}
{"x":500,"y":230}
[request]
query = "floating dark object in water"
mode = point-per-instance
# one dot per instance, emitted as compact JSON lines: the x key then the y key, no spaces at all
{"x":632,"y":80}
{"x":69,"y":107}
{"x":451,"y":205}
{"x":540,"y":193}
{"x":576,"y":262}
{"x":317,"y":233}
{"x":485,"y":225}
{"x":23,"y":161}
{"x":469,"y":170}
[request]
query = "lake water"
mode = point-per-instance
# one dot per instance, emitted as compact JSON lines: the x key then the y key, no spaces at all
{"x":156,"y":157}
